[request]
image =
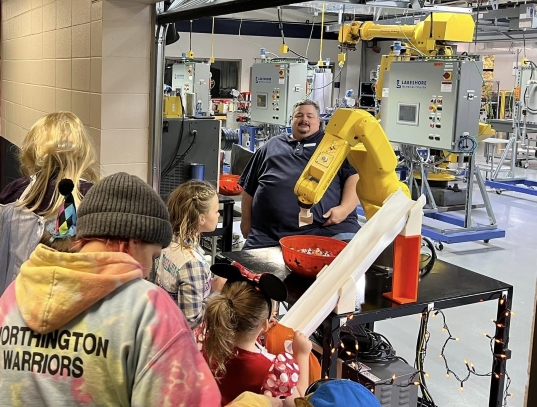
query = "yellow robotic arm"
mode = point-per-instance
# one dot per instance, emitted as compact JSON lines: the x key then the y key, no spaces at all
{"x":357,"y":136}
{"x":427,"y":38}
{"x":450,"y":27}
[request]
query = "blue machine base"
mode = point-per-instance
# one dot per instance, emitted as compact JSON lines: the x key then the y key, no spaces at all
{"x":461,"y":237}
{"x":521,"y":185}
{"x":252,"y":131}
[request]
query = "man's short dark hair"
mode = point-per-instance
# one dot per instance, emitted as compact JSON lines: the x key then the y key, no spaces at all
{"x":308,"y":102}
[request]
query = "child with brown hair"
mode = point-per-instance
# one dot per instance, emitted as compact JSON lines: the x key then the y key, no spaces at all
{"x":182,"y":270}
{"x":234,"y":320}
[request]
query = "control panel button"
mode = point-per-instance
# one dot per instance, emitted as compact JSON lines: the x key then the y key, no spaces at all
{"x":438,"y":126}
{"x":432,"y":108}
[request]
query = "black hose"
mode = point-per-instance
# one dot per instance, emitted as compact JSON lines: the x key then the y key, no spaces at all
{"x":172,"y":164}
{"x":427,"y":269}
{"x":179,"y":159}
{"x":228,"y":137}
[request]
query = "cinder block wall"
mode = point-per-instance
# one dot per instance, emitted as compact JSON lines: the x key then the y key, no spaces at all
{"x":88,"y":57}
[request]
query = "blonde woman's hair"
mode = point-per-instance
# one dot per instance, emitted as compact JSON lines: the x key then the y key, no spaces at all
{"x":239,"y":309}
{"x":186,"y":203}
{"x":56,"y":147}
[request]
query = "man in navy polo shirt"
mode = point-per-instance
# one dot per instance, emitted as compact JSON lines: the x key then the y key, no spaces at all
{"x":269,"y":205}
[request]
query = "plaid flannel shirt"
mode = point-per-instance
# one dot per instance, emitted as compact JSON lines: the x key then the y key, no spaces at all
{"x":186,"y":276}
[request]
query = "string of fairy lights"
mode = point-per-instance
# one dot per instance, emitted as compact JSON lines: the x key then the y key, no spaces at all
{"x":420,"y":376}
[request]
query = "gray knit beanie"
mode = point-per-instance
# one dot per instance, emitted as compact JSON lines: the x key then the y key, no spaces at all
{"x":124,"y":206}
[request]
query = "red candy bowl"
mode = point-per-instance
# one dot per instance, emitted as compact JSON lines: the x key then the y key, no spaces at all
{"x":229,"y":185}
{"x":306,"y":255}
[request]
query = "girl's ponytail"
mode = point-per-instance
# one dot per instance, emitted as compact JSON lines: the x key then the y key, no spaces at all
{"x":219,"y":343}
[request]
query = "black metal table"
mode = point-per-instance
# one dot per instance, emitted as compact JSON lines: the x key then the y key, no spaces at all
{"x":226,"y":231}
{"x":446,"y":286}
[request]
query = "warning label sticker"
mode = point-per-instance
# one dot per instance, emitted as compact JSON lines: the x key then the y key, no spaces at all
{"x":446,"y":87}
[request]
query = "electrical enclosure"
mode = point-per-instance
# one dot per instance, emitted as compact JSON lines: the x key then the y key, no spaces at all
{"x":377,"y":377}
{"x":432,"y":103}
{"x":276,"y":87}
{"x":193,"y":77}
{"x":199,"y":143}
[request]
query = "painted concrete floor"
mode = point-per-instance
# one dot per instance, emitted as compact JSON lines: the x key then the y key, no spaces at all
{"x":512,"y":260}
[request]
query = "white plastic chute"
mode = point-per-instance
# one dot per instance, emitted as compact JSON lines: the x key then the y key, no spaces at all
{"x":350,"y":265}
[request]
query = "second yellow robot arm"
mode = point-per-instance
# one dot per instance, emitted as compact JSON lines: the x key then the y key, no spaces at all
{"x":357,"y":136}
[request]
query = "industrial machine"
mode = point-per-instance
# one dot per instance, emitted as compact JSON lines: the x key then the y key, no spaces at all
{"x":276,"y":86}
{"x":433,"y":103}
{"x":526,"y":86}
{"x":426,"y":39}
{"x":190,"y":138}
{"x":193,"y":77}
{"x":379,"y":378}
{"x":430,"y":102}
{"x":518,"y":148}
{"x":186,"y":142}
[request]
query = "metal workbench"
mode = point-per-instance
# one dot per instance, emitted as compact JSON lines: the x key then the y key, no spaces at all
{"x":446,"y":286}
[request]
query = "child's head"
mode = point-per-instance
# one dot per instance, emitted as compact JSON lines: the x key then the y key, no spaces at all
{"x":122,"y":213}
{"x":193,"y":208}
{"x":57,"y":146}
{"x":61,"y":245}
{"x":239,"y":313}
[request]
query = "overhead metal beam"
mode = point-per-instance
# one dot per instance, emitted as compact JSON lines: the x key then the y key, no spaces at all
{"x":217,"y":8}
{"x":508,"y":12}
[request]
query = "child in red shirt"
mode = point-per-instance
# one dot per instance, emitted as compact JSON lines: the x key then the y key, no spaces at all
{"x":234,"y":319}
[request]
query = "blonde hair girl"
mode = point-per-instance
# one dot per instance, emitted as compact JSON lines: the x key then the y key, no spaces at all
{"x":182,"y":269}
{"x":56,"y":147}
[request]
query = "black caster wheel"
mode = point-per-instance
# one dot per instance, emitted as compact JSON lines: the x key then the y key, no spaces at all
{"x":439,"y":246}
{"x":486,"y":240}
{"x":499,"y":191}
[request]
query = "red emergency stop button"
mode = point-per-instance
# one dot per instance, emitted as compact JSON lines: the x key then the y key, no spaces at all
{"x":282,"y":72}
{"x":447,"y":76}
{"x":432,"y":107}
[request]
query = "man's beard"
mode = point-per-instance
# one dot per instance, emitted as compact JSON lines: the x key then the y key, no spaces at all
{"x":304,"y":130}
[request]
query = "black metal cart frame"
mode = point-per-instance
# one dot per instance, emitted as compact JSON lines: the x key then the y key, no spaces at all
{"x":446,"y":286}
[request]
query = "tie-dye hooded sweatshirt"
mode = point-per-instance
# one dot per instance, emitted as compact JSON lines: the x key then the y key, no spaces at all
{"x":85,"y":330}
